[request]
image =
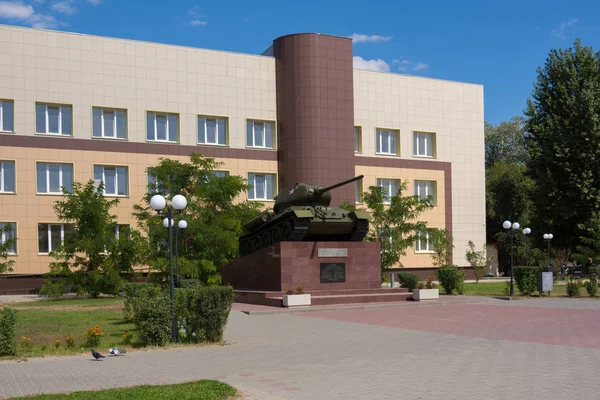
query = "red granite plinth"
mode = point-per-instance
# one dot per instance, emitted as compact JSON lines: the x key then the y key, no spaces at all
{"x":289,"y":264}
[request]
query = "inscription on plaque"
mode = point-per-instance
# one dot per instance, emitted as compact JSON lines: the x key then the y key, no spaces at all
{"x":333,"y":272}
{"x":333,"y":252}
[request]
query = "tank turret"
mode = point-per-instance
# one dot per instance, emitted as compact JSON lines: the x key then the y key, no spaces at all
{"x":303,"y":213}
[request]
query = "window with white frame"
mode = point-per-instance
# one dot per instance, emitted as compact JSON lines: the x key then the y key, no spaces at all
{"x":162,"y":127}
{"x":7,"y":176}
{"x":53,"y":119}
{"x":358,"y":139}
{"x":220,"y":174}
{"x":425,"y":189}
{"x":7,"y":116}
{"x":263,"y":186}
{"x":8,"y":232}
{"x":424,"y":144}
{"x":358,"y":191}
{"x":52,"y":236}
{"x":387,"y":141}
{"x":390,"y":188}
{"x":109,"y":123}
{"x":423,"y":243}
{"x":114,"y":178}
{"x":212,"y":130}
{"x":260,"y":134}
{"x":51,"y":177}
{"x":120,"y":229}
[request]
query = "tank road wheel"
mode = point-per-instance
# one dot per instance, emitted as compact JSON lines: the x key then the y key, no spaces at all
{"x":287,"y":231}
{"x":257,"y":242}
{"x":265,"y":239}
{"x":276,"y":235}
{"x":249,"y":247}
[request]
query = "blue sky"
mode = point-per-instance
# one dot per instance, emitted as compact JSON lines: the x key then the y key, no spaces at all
{"x":499,"y":46}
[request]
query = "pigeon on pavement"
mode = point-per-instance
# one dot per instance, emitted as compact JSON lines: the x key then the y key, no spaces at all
{"x":117,"y":352}
{"x":97,"y":355}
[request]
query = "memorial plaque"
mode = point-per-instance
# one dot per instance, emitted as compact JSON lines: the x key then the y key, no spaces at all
{"x":333,"y":272}
{"x":333,"y":252}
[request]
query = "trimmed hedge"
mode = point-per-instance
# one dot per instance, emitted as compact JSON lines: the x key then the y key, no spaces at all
{"x":526,"y":279}
{"x":152,"y":316}
{"x":130,"y":293}
{"x":8,"y":343}
{"x":408,"y":280}
{"x":451,"y":278}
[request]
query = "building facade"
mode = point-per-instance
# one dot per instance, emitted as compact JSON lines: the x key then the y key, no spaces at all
{"x":76,"y":107}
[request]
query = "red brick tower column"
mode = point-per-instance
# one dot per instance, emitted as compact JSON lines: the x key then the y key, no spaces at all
{"x":315,"y":111}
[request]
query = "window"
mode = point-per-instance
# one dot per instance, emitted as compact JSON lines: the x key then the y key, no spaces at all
{"x":425,"y":189}
{"x":121,"y":229}
{"x":260,"y":134}
{"x":7,"y":177}
{"x":358,"y":191}
{"x":423,"y":144}
{"x":53,"y":119}
{"x":51,"y":236}
{"x":8,"y":231}
{"x":220,"y":174}
{"x":114,"y":178}
{"x":109,"y":123}
{"x":387,"y":141}
{"x":162,"y":127}
{"x":212,"y":130}
{"x":390,"y":188}
{"x":263,"y":186}
{"x":7,"y":116}
{"x":357,"y":139}
{"x":52,"y":177}
{"x":423,"y":243}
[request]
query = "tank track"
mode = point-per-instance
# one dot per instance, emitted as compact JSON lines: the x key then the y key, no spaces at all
{"x":299,"y":228}
{"x":361,"y":230}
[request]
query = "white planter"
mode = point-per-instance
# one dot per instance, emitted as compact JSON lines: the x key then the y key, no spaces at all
{"x":293,"y":300}
{"x":426,"y":294}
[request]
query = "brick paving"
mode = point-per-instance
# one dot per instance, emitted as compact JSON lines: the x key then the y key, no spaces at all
{"x":494,"y":350}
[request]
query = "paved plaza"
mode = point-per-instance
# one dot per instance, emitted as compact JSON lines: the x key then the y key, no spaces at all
{"x":492,"y":349}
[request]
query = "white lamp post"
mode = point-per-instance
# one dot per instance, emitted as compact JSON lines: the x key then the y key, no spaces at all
{"x":180,"y":225}
{"x":158,"y":203}
{"x":513,"y":227}
{"x":526,"y":232}
{"x":548,"y":237}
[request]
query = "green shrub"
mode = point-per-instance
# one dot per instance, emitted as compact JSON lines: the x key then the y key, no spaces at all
{"x":129,"y":292}
{"x":526,"y":280}
{"x":408,"y":280}
{"x":592,"y":285}
{"x":573,"y":288}
{"x":152,"y":317}
{"x":451,"y":278}
{"x":506,"y":288}
{"x":203,"y":311}
{"x":189,"y":283}
{"x":478,"y":271}
{"x":8,"y":343}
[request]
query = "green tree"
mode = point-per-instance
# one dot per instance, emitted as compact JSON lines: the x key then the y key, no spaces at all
{"x":564,"y":141}
{"x":394,"y":225}
{"x":506,"y":142}
{"x":91,"y":260}
{"x":443,"y":243}
{"x":476,"y":259}
{"x":5,"y":246}
{"x":213,"y":214}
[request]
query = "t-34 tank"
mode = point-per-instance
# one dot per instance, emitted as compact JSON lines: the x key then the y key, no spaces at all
{"x":303,"y":213}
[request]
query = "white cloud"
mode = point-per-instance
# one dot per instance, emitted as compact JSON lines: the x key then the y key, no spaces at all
{"x":196,"y":16}
{"x":407,"y":65}
{"x":65,"y":7}
{"x":360,"y":38}
{"x":371,"y":65}
{"x":197,"y":22}
{"x":25,"y":14}
{"x":94,"y":2}
{"x":560,"y":31}
{"x":420,"y":66}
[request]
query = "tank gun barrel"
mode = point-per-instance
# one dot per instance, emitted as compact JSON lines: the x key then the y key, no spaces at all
{"x":321,"y":189}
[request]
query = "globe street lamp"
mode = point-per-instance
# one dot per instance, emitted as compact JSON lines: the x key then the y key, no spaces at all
{"x":548,"y":237}
{"x":526,"y":232}
{"x":180,"y":225}
{"x":514,"y":226}
{"x":158,"y":203}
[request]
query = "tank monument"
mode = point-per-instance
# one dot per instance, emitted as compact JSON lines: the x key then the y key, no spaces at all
{"x":306,"y":243}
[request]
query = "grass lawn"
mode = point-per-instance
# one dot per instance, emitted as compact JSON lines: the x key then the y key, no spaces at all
{"x":46,"y":321}
{"x":200,"y":390}
{"x":497,"y":289}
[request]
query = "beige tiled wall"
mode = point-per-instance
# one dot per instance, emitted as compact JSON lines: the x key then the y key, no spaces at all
{"x":27,"y":208}
{"x":454,"y":112}
{"x":86,"y":71}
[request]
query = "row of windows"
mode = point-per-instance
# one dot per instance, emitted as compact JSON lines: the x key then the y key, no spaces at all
{"x":390,"y":187}
{"x":387,"y":142}
{"x":111,"y":123}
